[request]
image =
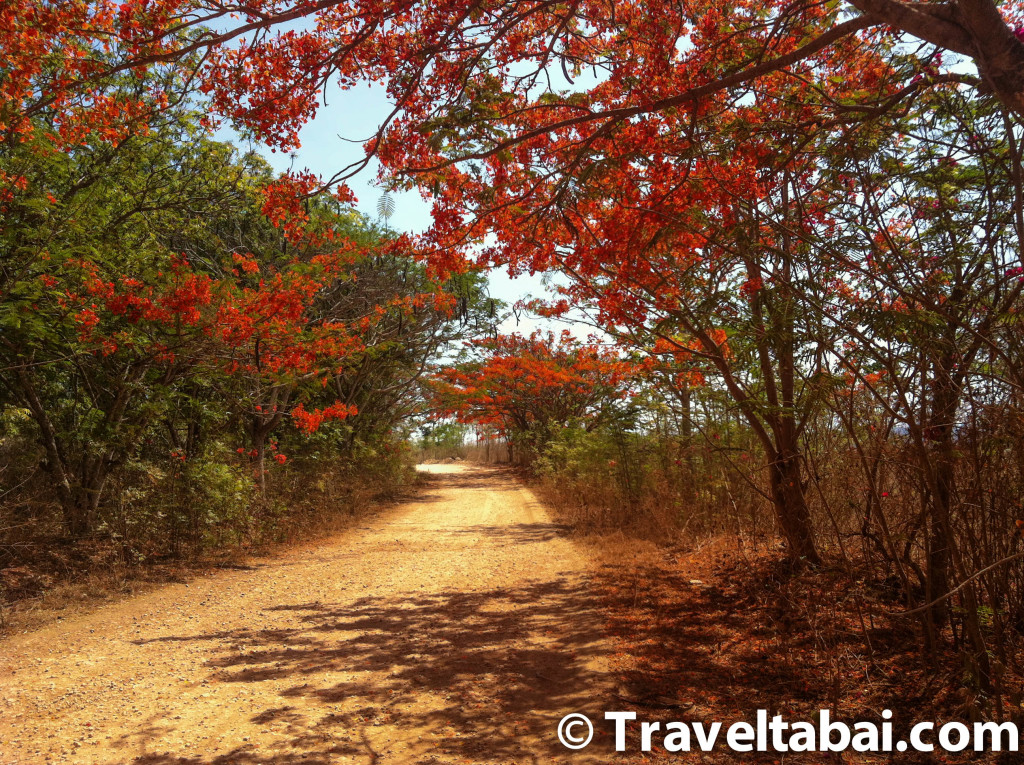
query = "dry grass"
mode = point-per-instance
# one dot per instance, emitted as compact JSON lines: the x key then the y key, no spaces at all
{"x":717,"y":629}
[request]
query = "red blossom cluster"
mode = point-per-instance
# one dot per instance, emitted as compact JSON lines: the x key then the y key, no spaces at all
{"x":308,"y":422}
{"x":543,"y":379}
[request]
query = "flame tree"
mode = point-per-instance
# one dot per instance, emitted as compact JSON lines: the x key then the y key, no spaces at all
{"x":528,"y":387}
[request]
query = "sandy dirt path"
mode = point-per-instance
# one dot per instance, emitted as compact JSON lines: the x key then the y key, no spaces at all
{"x":458,"y":628}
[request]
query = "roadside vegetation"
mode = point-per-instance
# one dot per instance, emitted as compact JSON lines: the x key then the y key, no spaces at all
{"x":190,"y":362}
{"x":833,"y":378}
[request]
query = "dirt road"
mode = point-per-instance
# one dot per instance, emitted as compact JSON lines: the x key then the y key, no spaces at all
{"x":455,"y":629}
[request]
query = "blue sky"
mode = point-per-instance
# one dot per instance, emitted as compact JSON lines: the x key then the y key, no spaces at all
{"x":354,"y":114}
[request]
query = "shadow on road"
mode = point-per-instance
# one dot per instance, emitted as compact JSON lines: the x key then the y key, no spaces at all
{"x":442,"y":677}
{"x":487,"y":478}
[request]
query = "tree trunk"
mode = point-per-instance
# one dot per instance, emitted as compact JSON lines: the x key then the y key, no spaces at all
{"x":79,"y":509}
{"x":940,"y":467}
{"x":79,"y":497}
{"x":260,"y":427}
{"x":791,"y":509}
{"x":259,"y":443}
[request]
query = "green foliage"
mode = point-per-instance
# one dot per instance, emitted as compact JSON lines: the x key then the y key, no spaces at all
{"x":124,"y":411}
{"x":443,"y":436}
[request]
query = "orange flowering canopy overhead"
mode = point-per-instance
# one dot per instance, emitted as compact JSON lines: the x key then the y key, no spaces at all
{"x":524,"y":387}
{"x":554,"y":88}
{"x":595,"y":137}
{"x":608,"y":139}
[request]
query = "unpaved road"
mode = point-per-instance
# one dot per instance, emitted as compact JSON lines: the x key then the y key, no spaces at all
{"x":455,"y":629}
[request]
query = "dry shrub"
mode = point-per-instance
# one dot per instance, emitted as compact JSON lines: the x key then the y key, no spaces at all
{"x":722,"y":631}
{"x":870,"y":503}
{"x":647,"y":486}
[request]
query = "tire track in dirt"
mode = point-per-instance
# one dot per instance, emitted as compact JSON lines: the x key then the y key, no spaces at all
{"x":458,"y":628}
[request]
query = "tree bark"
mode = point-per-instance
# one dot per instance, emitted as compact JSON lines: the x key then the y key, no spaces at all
{"x":791,"y":510}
